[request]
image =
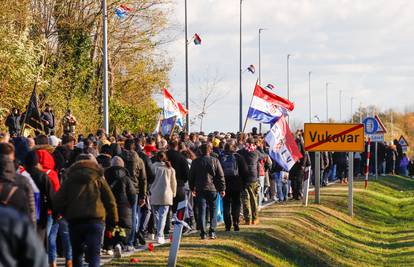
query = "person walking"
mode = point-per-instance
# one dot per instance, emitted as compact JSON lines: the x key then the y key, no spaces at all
{"x":206,"y":179}
{"x":124,"y":192}
{"x":251,"y":186}
{"x":136,"y":169}
{"x":162,"y":192}
{"x":234,"y":169}
{"x":86,"y":202}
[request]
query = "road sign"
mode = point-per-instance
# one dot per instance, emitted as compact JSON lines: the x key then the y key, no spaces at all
{"x":374,"y":128}
{"x":339,"y":137}
{"x":404,"y":144}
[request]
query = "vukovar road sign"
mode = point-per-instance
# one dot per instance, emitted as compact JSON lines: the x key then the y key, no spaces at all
{"x":339,"y":137}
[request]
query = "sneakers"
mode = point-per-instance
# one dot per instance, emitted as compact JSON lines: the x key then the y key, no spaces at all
{"x":203,"y":237}
{"x":160,"y":240}
{"x":236,"y":228}
{"x":129,"y":248}
{"x":118,"y":251}
{"x":255,"y":222}
{"x":151,"y":236}
{"x":213,"y":235}
{"x":246,"y":222}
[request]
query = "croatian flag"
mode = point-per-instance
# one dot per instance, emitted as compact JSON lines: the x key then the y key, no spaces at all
{"x":252,"y":69}
{"x":122,"y":11}
{"x":270,"y":86}
{"x":197,"y":39}
{"x":267,"y":107}
{"x":282,"y":145}
{"x":173,"y":108}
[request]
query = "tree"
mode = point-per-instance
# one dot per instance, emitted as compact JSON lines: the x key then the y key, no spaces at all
{"x":209,"y":93}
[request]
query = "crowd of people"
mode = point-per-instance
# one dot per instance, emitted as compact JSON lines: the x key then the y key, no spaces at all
{"x":106,"y":194}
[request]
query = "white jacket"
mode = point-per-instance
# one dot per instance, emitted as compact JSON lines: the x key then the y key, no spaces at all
{"x":164,"y":187}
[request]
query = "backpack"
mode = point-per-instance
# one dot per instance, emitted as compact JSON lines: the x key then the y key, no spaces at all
{"x":229,"y":165}
{"x":6,"y":193}
{"x":36,"y":191}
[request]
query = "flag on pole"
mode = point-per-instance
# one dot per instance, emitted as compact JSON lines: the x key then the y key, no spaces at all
{"x":122,"y":11}
{"x":167,"y":125}
{"x":270,"y":86}
{"x":32,"y":116}
{"x":252,"y":69}
{"x":267,"y":107}
{"x":173,"y":108}
{"x":282,"y":145}
{"x":197,"y":39}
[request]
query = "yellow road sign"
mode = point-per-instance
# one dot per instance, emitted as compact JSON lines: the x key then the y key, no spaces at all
{"x":339,"y":137}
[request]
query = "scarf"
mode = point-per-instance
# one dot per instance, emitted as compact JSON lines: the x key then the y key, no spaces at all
{"x":250,"y":147}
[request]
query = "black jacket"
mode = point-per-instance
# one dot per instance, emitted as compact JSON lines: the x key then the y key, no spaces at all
{"x":23,"y":198}
{"x":124,"y":192}
{"x":19,"y":244}
{"x":46,"y":191}
{"x":206,"y":174}
{"x":50,"y":118}
{"x":180,"y":165}
{"x":13,"y":123}
{"x":148,"y":170}
{"x":252,"y":161}
{"x":136,"y":169}
{"x":64,"y":158}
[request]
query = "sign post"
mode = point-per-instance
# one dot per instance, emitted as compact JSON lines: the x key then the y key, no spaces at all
{"x":336,"y":137}
{"x":375,"y":130}
{"x":318,"y":177}
{"x":404,"y":144}
{"x":350,"y":185}
{"x":178,"y":230}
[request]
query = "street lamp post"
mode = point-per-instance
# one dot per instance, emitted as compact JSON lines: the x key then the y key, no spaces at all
{"x":240,"y":74}
{"x":352,"y":109}
{"x":186,"y":70}
{"x":310,"y":100}
{"x":327,"y":104}
{"x":288,"y":81}
{"x":105,"y":67}
{"x":340,"y":105}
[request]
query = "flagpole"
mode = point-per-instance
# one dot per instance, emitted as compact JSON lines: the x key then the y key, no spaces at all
{"x":240,"y":76}
{"x":251,"y":100}
{"x":105,"y":67}
{"x":287,"y":81}
{"x":260,"y":67}
{"x":186,"y":70}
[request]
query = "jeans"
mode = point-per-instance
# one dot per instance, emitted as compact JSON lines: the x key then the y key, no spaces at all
{"x":261,"y":191}
{"x":61,"y":227}
{"x":206,"y":199}
{"x":404,"y":171}
{"x":89,"y":234}
{"x":332,"y":173}
{"x":160,"y":217}
{"x":282,"y":189}
{"x":231,"y":208}
{"x":134,"y":218}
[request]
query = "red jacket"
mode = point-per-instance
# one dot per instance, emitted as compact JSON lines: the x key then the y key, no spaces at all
{"x":48,"y":165}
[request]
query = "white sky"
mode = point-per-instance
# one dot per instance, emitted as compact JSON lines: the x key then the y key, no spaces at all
{"x":363,"y":47}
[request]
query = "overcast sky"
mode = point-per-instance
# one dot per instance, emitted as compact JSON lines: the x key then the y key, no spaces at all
{"x":363,"y":47}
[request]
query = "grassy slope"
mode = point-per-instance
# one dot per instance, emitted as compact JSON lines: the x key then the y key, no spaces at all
{"x":380,"y":234}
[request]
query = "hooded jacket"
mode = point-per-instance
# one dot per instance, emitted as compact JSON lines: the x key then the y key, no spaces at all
{"x":23,"y":198}
{"x":47,"y":161}
{"x":136,"y":170}
{"x":85,"y":196}
{"x":252,"y":161}
{"x":124,"y":193}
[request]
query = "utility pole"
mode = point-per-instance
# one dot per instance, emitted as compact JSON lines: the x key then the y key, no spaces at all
{"x":186,"y":70}
{"x":340,"y":105}
{"x":310,"y":99}
{"x":327,"y":102}
{"x":240,"y":74}
{"x":105,"y":67}
{"x":352,"y":109}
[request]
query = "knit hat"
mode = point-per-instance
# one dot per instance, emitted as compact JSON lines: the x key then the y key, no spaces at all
{"x":117,"y":162}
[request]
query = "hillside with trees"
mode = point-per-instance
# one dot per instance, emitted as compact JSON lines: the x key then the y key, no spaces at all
{"x":59,"y":42}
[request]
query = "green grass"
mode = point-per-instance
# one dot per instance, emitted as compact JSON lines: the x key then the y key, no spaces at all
{"x":380,"y":234}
